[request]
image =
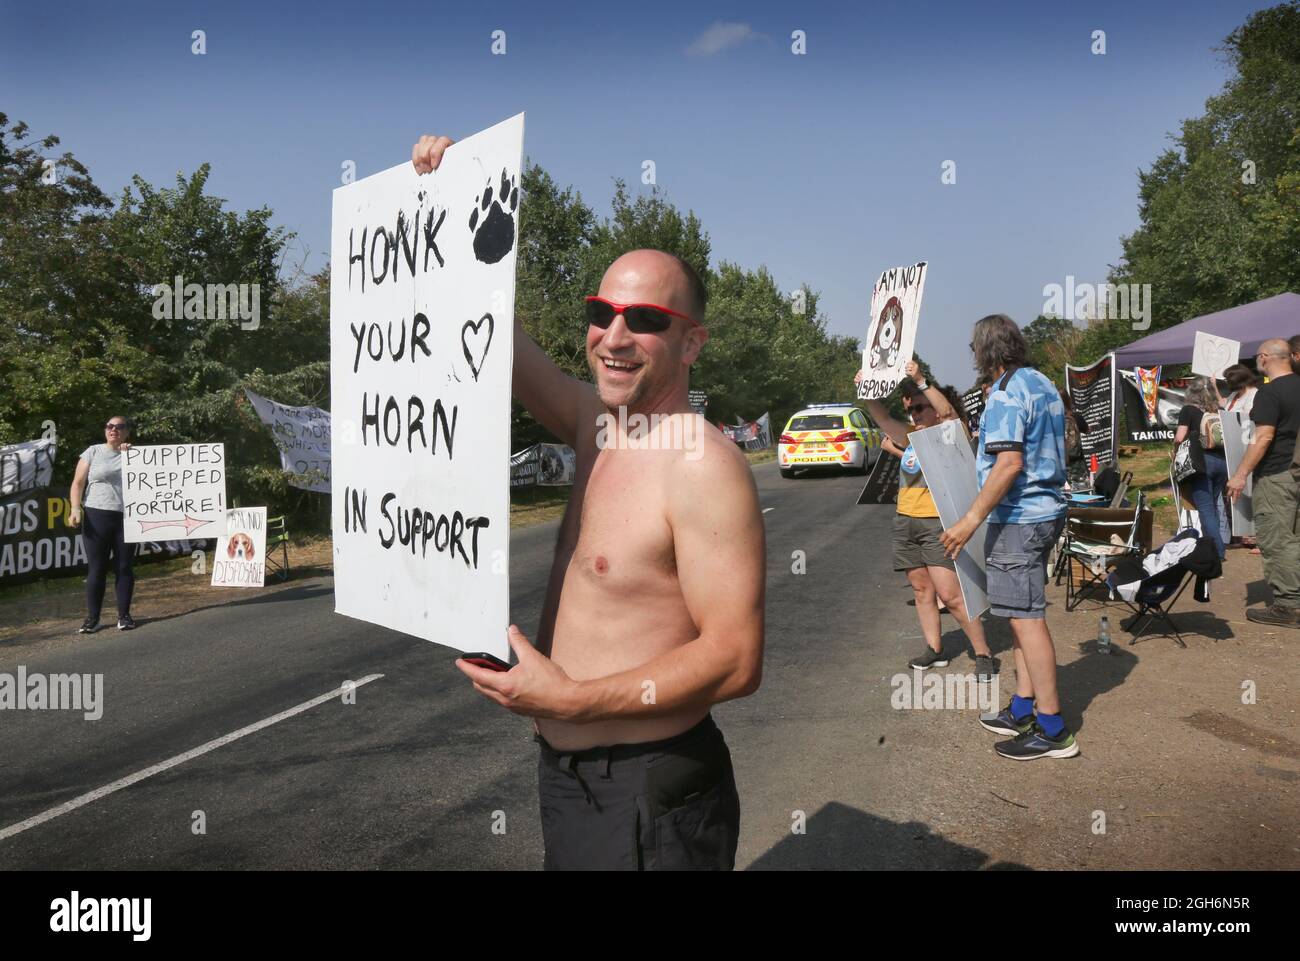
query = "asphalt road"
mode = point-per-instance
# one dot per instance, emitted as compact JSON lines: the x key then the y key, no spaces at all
{"x":420,"y":772}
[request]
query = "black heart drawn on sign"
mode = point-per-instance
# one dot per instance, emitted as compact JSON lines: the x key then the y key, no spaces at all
{"x":465,"y":342}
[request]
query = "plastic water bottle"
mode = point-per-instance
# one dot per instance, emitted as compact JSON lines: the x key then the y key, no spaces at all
{"x":1103,"y":635}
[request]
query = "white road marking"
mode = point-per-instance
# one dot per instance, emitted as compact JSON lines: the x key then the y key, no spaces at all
{"x":766,"y":509}
{"x":202,"y":749}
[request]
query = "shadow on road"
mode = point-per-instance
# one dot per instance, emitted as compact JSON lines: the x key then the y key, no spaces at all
{"x":302,"y":593}
{"x":843,"y":838}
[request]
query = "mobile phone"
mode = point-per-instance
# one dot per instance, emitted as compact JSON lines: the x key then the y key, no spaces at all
{"x":483,"y":659}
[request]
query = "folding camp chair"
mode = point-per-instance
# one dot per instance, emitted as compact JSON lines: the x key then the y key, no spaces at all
{"x":1088,"y":542}
{"x":1156,"y":594}
{"x":277,"y":536}
{"x":1154,"y":601}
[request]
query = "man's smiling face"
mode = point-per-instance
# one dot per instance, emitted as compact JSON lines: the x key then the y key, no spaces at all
{"x":643,"y":372}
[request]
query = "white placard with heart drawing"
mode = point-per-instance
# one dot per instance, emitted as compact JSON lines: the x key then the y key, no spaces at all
{"x":422,"y":293}
{"x":1211,"y":354}
{"x":891,"y":329}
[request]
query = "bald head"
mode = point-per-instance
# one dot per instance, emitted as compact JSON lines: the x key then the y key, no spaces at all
{"x":656,"y":277}
{"x":1275,"y":347}
{"x":1274,"y":357}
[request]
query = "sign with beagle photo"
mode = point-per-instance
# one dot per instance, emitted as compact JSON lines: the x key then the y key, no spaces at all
{"x":240,"y":560}
{"x":891,"y":330}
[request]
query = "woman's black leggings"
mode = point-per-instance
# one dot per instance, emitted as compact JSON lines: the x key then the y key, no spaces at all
{"x":102,"y":533}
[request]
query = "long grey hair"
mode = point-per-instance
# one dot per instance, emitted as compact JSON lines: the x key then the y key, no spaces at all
{"x":1200,"y":394}
{"x":998,"y":345}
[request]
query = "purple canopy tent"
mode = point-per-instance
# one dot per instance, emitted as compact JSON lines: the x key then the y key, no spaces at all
{"x":1252,"y":324}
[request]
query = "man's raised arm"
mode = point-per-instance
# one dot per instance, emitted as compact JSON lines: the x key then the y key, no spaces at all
{"x":558,"y":401}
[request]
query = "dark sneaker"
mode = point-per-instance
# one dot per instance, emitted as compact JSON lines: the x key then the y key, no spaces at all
{"x":89,"y":626}
{"x":985,"y":666}
{"x":1004,"y":722}
{"x":1274,"y":614}
{"x":126,"y":623}
{"x":1035,"y":743}
{"x":931,"y":658}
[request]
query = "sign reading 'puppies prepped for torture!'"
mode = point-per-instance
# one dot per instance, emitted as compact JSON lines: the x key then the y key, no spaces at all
{"x":422,"y":292}
{"x":171,"y":491}
{"x":891,"y":330}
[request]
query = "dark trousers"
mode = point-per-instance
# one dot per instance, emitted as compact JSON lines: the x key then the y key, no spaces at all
{"x":103,"y":534}
{"x":661,"y":806}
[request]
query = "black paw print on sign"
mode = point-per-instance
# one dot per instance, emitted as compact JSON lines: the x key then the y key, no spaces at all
{"x":494,"y":230}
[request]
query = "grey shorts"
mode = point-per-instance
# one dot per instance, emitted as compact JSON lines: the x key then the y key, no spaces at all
{"x":917,"y":544}
{"x":1016,"y":562}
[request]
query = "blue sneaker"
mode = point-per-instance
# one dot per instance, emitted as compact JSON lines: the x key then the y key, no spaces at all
{"x":1035,"y":743}
{"x":1004,"y":722}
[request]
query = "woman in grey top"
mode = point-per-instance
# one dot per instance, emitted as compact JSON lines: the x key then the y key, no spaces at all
{"x":97,"y":498}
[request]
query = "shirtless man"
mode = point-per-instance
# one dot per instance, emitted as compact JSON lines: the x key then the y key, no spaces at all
{"x":654,"y":608}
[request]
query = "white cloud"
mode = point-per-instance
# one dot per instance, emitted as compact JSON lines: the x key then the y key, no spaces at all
{"x":720,"y":37}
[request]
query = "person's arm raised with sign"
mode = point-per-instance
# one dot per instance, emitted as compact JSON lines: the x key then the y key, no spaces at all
{"x":559,"y":402}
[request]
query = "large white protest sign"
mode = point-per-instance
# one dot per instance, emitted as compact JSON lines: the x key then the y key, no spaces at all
{"x":28,"y":465}
{"x":891,"y":330}
{"x":303,"y":436}
{"x":421,"y":320}
{"x":1211,"y":354}
{"x":174,"y":490}
{"x":240,"y":559}
{"x":949,"y":468}
{"x":1238,"y":432}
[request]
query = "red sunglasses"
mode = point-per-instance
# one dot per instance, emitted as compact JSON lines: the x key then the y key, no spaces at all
{"x":640,"y":318}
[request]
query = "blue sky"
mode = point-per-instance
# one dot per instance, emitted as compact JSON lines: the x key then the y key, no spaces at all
{"x":824,"y":167}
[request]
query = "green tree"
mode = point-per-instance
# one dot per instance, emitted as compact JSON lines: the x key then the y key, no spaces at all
{"x":1220,"y":211}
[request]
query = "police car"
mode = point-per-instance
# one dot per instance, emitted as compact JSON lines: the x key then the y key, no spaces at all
{"x":828,"y":435}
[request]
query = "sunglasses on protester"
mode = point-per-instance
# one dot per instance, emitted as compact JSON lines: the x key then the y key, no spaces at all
{"x":115,"y":427}
{"x":640,"y":318}
{"x":915,"y":408}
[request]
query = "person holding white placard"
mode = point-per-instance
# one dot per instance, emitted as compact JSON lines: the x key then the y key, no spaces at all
{"x":918,"y":552}
{"x":637,"y":642}
{"x":96,"y":497}
{"x":1021,"y":469}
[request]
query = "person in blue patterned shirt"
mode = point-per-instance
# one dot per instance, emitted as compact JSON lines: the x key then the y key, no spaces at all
{"x":1021,"y":467}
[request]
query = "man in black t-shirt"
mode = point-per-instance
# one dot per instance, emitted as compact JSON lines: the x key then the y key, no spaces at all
{"x":1276,"y":496}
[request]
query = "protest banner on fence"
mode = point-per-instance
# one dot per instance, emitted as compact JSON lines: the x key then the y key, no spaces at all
{"x":1238,"y":432}
{"x":240,"y":557}
{"x":37,"y":542}
{"x":891,"y":329}
{"x":422,"y":293}
{"x":948,"y":464}
{"x":972,"y":408}
{"x":558,"y":465}
{"x":1140,"y":426}
{"x":302,"y":435}
{"x":1092,"y":394}
{"x":524,"y":466}
{"x":27,"y":466}
{"x":173,"y":489}
{"x":1211,"y":354}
